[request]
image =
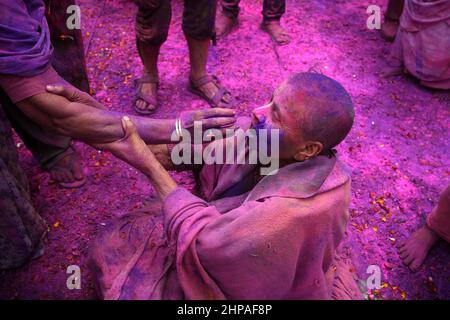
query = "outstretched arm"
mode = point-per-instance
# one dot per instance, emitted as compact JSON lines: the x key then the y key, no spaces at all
{"x":88,"y":123}
{"x":67,"y":111}
{"x":133,"y":150}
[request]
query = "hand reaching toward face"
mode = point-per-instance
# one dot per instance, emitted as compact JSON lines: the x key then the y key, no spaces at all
{"x":219,"y":118}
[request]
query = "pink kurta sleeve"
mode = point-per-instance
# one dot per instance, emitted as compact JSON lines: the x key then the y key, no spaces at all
{"x":21,"y":88}
{"x":278,"y":248}
{"x":185,"y":215}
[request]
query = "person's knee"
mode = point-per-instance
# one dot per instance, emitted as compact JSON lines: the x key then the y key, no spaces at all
{"x":151,"y":37}
{"x":153,"y":21}
{"x":199,"y":33}
{"x":199,"y":19}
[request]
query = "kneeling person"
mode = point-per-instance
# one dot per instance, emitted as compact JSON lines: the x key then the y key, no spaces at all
{"x":248,"y":236}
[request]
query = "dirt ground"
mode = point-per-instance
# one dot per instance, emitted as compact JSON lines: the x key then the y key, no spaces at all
{"x":398,"y":148}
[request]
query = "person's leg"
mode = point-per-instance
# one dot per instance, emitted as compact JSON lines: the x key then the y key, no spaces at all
{"x":272,"y":12}
{"x":22,"y":228}
{"x":227,"y":17}
{"x":152,"y":27}
{"x":198,"y":27}
{"x":66,"y":43}
{"x":391,"y":19}
{"x":147,"y":102}
{"x":230,"y":7}
{"x":415,"y":249}
{"x":53,"y":152}
{"x":439,"y":219}
{"x":128,"y":254}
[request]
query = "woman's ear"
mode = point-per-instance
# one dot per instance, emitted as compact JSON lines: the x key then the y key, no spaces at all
{"x":311,"y":149}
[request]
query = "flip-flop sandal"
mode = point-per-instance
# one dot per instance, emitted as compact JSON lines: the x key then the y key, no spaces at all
{"x":151,"y":100}
{"x":214,"y":102}
{"x":53,"y":165}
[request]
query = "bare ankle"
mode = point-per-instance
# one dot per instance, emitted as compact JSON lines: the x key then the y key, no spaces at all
{"x":270,"y":22}
{"x":228,"y":16}
{"x":152,"y":74}
{"x":197,"y":75}
{"x":430,"y":232}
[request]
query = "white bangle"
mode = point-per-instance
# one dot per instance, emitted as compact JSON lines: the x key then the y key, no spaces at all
{"x":178,"y":128}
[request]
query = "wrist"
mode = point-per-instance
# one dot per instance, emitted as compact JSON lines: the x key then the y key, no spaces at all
{"x":148,"y":164}
{"x":171,"y":127}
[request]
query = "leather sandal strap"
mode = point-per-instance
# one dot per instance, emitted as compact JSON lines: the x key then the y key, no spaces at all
{"x":147,"y":98}
{"x":217,"y":98}
{"x":52,"y":163}
{"x":203,"y":80}
{"x":147,"y":78}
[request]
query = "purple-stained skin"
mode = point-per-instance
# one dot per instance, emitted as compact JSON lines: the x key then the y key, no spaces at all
{"x":398,"y":148}
{"x":260,"y":122}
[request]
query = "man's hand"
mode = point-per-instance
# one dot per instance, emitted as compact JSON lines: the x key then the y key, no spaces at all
{"x":74,"y":95}
{"x":220,"y":118}
{"x":133,"y":150}
{"x":81,"y":121}
{"x":211,"y":118}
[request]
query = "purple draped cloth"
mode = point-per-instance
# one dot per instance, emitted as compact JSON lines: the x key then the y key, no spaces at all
{"x":276,"y":238}
{"x":422,"y":44}
{"x":25,"y":47}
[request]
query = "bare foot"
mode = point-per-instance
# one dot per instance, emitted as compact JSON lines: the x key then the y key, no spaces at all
{"x":415,"y":249}
{"x":276,"y":32}
{"x":224,"y":25}
{"x":150,"y":90}
{"x":389,"y":29}
{"x":67,"y":170}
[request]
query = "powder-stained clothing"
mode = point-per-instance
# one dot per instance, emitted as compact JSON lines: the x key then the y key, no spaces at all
{"x":21,"y":227}
{"x":46,"y":147}
{"x":25,"y":47}
{"x":26,"y":59}
{"x":153,"y":20}
{"x":439,"y":218}
{"x":34,"y":37}
{"x":35,"y":43}
{"x":272,"y":239}
{"x":272,"y":9}
{"x":422,"y":44}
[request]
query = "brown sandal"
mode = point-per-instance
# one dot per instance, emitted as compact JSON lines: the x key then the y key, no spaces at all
{"x":53,"y":166}
{"x":151,"y":100}
{"x":217,"y":98}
